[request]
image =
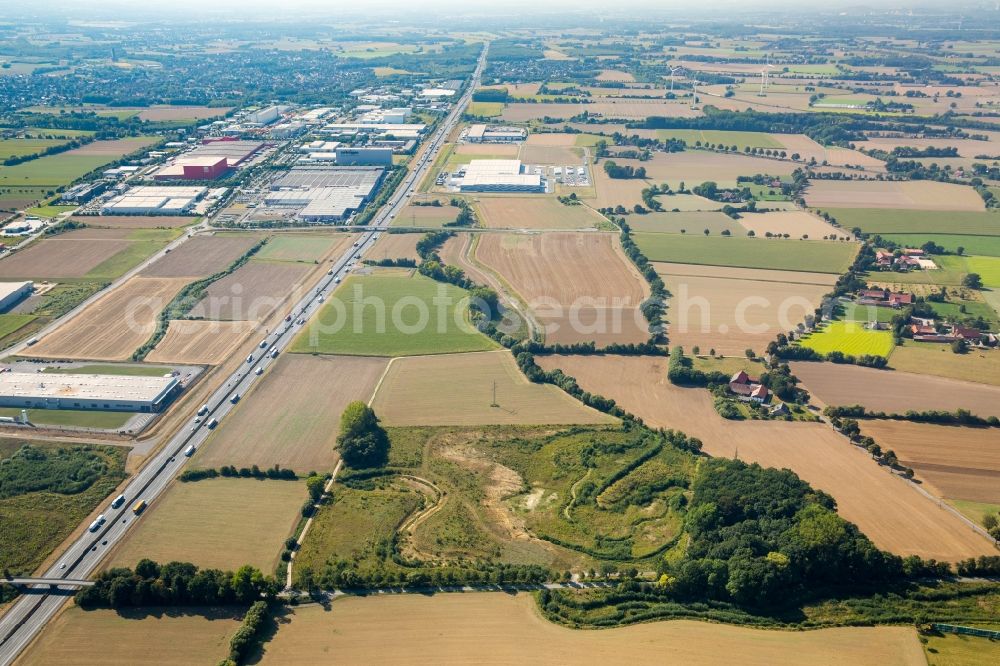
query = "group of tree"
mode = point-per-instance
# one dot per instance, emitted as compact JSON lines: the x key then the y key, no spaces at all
{"x":362,"y":441}
{"x":176,"y":584}
{"x":230,"y":471}
{"x":615,"y":170}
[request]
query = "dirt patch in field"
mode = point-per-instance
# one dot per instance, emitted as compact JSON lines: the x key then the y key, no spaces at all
{"x":956,"y":463}
{"x":731,"y":309}
{"x":396,"y":246}
{"x":795,"y":223}
{"x":426,"y":216}
{"x":906,"y":522}
{"x":496,"y":628}
{"x":292,"y":416}
{"x":579,"y":286}
{"x":181,"y":528}
{"x":554,"y":153}
{"x":459,"y":389}
{"x":114,"y":326}
{"x":69,"y":255}
{"x":907,"y":194}
{"x":893,"y":391}
{"x":199,"y":342}
{"x":252,"y":291}
{"x":534,"y":212}
{"x":135,"y":221}
{"x":201,"y":256}
{"x":498,"y":149}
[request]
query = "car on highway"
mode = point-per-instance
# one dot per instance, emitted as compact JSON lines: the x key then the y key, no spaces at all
{"x":250,"y":358}
{"x":203,"y":410}
{"x":235,"y":399}
{"x":189,"y":451}
{"x":274,"y":353}
{"x":263,"y":344}
{"x":259,"y":371}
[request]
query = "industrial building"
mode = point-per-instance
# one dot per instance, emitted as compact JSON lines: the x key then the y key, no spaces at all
{"x":398,"y":130}
{"x":347,"y":156}
{"x":325,"y":193}
{"x":84,"y":192}
{"x":212,"y":159}
{"x":12,"y":293}
{"x":495,"y":134}
{"x":264,"y":116}
{"x":499,"y":176}
{"x":118,"y":393}
{"x":154,"y":200}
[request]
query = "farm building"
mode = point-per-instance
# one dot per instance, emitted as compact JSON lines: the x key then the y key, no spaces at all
{"x":13,"y":292}
{"x":499,"y":176}
{"x":493,"y":134}
{"x":151,"y":200}
{"x":117,"y":393}
{"x":747,"y":389}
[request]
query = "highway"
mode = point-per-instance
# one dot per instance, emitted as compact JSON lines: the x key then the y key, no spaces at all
{"x":31,"y":612}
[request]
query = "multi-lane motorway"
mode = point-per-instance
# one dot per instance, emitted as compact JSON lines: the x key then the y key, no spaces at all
{"x":30,"y":613}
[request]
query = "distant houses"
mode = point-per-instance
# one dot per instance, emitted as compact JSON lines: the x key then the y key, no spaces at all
{"x":928,"y":330}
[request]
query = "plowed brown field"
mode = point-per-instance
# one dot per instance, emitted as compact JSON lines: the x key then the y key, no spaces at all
{"x":957,"y":463}
{"x":886,"y":507}
{"x":201,"y":256}
{"x":580,"y":286}
{"x":252,"y":291}
{"x":893,"y":391}
{"x":114,"y":326}
{"x":909,"y":194}
{"x":69,"y":255}
{"x":199,"y":341}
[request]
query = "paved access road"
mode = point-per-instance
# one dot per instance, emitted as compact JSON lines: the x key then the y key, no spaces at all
{"x":31,"y":611}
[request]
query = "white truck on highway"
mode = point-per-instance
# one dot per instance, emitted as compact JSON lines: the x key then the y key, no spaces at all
{"x":189,"y":451}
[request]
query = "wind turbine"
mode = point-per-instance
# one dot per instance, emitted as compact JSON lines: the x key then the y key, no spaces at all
{"x":694,"y":94}
{"x":763,"y":82}
{"x":673,"y":70}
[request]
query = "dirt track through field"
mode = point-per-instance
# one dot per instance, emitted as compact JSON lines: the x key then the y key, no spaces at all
{"x":886,"y":508}
{"x":499,"y":628}
{"x":957,"y":463}
{"x":114,"y":326}
{"x":893,"y":392}
{"x":580,"y":286}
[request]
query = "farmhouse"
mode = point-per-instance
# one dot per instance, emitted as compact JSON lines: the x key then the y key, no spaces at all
{"x":748,"y":389}
{"x":908,"y":259}
{"x":117,"y":393}
{"x":884,"y":297}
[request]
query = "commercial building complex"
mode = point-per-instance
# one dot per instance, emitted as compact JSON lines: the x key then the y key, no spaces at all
{"x":154,"y":200}
{"x":11,"y":293}
{"x":498,"y":176}
{"x":212,"y":159}
{"x":118,"y":393}
{"x":364,"y":156}
{"x":325,"y":193}
{"x":495,"y":134}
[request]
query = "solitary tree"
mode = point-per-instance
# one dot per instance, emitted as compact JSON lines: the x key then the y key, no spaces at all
{"x":973,"y":281}
{"x":362,"y":441}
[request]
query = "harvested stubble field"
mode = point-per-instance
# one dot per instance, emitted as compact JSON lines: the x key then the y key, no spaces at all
{"x":497,"y":628}
{"x":217,"y":523}
{"x":890,"y":221}
{"x":734,"y":309}
{"x":114,"y":326}
{"x":632,"y":109}
{"x":252,"y":291}
{"x":70,"y":255}
{"x":907,"y":194}
{"x":795,"y":223}
{"x":534,"y":212}
{"x":178,"y":636}
{"x":893,"y":391}
{"x":396,"y":246}
{"x":579,"y":286}
{"x":694,"y":222}
{"x":291,"y":417}
{"x":201,"y":256}
{"x":199,"y":342}
{"x":981,"y":366}
{"x":426,"y":216}
{"x":687,"y":202}
{"x":697,"y":166}
{"x":551,"y":149}
{"x":966,"y":147}
{"x":491,"y":151}
{"x":135,"y":221}
{"x":956,"y":463}
{"x":458,"y":389}
{"x":776,"y":254}
{"x":906,"y":523}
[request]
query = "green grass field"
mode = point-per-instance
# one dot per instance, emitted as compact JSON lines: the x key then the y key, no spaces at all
{"x":61,"y":169}
{"x":18,"y":147}
{"x":727,"y":138}
{"x":788,"y":255}
{"x":72,"y":417}
{"x":950,"y":271}
{"x":392,"y":314}
{"x":987,"y":267}
{"x":851,"y":338}
{"x":955,"y":650}
{"x":897,"y":221}
{"x":48,"y":210}
{"x":485,"y":109}
{"x":144,"y":243}
{"x":855,"y":312}
{"x":287,"y":247}
{"x":11,"y":323}
{"x":987,"y":246}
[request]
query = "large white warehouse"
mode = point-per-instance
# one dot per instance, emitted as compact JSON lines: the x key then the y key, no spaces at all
{"x":499,"y":176}
{"x":119,"y":393}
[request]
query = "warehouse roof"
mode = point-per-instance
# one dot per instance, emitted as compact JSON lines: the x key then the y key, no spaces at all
{"x":85,"y":387}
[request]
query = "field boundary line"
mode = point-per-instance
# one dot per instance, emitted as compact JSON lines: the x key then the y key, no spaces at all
{"x":305,"y":528}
